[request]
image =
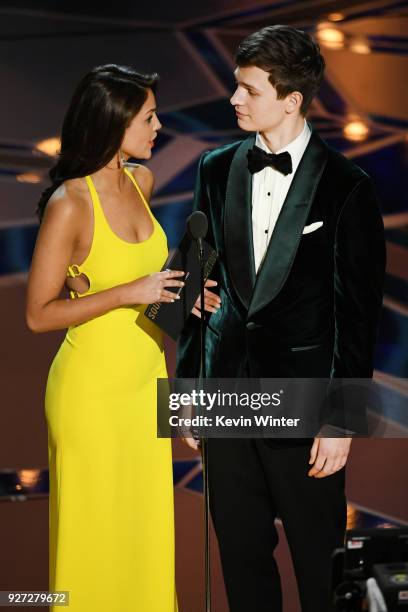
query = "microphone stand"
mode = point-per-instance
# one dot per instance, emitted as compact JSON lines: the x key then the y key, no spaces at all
{"x":203,"y":440}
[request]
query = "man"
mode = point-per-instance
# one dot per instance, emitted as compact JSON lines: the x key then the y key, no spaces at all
{"x":301,"y":263}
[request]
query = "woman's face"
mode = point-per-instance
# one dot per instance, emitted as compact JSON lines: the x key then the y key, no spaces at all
{"x":142,"y":131}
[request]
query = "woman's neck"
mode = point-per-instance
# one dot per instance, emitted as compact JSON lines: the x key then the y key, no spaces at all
{"x":112,"y":176}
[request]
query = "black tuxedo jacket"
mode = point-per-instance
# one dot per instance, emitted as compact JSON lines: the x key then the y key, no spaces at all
{"x":314,"y":307}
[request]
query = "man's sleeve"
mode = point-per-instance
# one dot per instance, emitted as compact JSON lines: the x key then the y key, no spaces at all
{"x":188,"y":347}
{"x":359,"y":256}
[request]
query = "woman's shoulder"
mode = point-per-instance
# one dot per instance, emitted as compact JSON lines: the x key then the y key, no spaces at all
{"x":69,"y":201}
{"x":144,"y":177}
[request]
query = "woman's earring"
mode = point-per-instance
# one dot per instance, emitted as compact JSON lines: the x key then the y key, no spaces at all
{"x":124,"y":163}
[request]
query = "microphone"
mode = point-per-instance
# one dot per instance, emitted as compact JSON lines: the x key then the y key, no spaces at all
{"x":197,"y":225}
{"x":197,"y":228}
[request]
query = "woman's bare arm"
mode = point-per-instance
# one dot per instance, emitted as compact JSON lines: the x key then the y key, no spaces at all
{"x":59,"y":232}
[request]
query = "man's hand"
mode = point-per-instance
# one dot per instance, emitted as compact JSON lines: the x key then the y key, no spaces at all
{"x":328,"y":455}
{"x":212,"y":301}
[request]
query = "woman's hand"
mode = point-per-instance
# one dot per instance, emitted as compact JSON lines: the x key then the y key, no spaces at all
{"x":191,"y":442}
{"x":212,"y":301}
{"x":152,"y":288}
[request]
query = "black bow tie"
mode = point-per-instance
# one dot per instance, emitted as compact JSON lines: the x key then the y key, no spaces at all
{"x":259,"y":159}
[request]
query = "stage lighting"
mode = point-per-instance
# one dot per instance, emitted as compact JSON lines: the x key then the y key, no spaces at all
{"x":330,"y":37}
{"x":335,"y":16}
{"x":28,"y":177}
{"x":49,"y":146}
{"x":356,"y":130}
{"x":360,"y":45}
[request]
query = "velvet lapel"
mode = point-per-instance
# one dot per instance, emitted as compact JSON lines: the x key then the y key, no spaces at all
{"x":238,"y":224}
{"x":291,"y":221}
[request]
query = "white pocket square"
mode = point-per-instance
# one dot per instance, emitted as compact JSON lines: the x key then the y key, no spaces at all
{"x":312,"y":227}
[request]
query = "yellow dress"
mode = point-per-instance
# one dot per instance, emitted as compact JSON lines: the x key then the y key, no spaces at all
{"x":111,"y":488}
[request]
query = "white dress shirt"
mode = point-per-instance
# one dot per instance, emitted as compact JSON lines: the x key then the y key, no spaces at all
{"x":269,"y":190}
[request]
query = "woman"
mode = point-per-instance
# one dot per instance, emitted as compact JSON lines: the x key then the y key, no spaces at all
{"x":111,"y":490}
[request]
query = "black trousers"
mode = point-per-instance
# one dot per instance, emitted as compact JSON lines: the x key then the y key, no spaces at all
{"x":251,"y":482}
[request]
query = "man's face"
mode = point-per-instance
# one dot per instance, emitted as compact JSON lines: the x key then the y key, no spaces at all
{"x":255,"y":101}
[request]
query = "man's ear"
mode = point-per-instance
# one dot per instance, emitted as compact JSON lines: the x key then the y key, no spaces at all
{"x":293,"y":102}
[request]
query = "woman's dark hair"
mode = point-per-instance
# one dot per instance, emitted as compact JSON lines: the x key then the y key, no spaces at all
{"x":292,"y":58}
{"x":102,"y":107}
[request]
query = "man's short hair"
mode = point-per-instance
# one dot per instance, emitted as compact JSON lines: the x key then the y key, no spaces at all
{"x":292,"y":58}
